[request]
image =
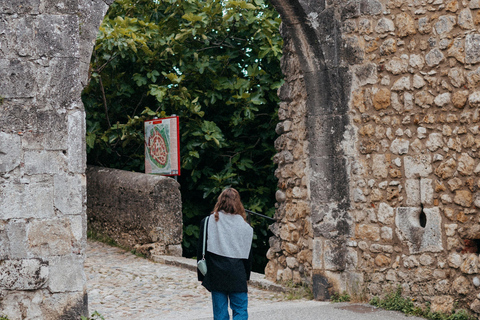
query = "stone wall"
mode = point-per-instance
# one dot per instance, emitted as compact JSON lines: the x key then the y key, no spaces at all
{"x":138,"y":211}
{"x":290,"y":253}
{"x":415,"y":104}
{"x":45,"y":49}
{"x":410,"y":146}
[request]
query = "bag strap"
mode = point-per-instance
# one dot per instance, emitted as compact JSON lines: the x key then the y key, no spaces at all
{"x":204,"y":236}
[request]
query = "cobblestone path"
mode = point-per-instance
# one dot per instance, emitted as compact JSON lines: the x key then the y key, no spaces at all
{"x":122,"y":286}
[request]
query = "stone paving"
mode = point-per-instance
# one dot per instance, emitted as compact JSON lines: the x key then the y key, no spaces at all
{"x":124,"y":286}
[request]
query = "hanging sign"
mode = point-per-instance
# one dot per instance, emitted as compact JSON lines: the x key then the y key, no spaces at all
{"x":162,"y":146}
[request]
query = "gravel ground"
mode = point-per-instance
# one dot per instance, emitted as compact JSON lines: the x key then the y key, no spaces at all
{"x":124,"y":286}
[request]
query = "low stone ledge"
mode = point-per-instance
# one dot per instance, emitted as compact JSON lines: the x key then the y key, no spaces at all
{"x":139,"y":211}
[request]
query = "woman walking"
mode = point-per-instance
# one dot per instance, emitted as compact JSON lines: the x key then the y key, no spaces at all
{"x":228,"y":256}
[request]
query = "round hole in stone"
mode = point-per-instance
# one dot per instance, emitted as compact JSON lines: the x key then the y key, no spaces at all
{"x":423,"y":219}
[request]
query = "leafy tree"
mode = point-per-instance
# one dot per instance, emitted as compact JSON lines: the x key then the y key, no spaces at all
{"x":213,"y":63}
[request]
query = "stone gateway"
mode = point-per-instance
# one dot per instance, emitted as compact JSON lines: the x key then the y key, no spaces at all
{"x":378,"y":151}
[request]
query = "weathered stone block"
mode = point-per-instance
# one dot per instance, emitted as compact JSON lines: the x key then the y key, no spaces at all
{"x":78,"y":225}
{"x":4,"y":241}
{"x":384,"y":25}
{"x":329,"y":169}
{"x":465,"y":165}
{"x":434,"y":142}
{"x":318,"y":253}
{"x":474,"y":99}
{"x":454,"y":260}
{"x":463,"y":198}
{"x":57,"y":35}
{"x":444,"y":304}
{"x":412,"y":188}
{"x":69,"y":193}
{"x":134,"y":208}
{"x":10,"y":151}
{"x":397,"y":65}
{"x":385,"y":213}
{"x":18,"y":36}
{"x":17,"y":236}
{"x":49,"y":134}
{"x":50,"y":237}
{"x":26,"y":274}
{"x":472,"y":48}
{"x":17,"y":79}
{"x":382,"y":260}
{"x":446,"y":169}
{"x":426,"y":191}
{"x":368,"y":232}
{"x":475,"y":306}
{"x":59,"y":85}
{"x":31,"y":198}
{"x":42,"y":304}
{"x":443,"y":99}
{"x":470,"y":265}
{"x":445,"y":24}
{"x":399,"y":146}
{"x":405,"y":25}
{"x":76,"y":153}
{"x":66,"y":273}
{"x":402,"y":84}
{"x":365,"y":74}
{"x":434,"y":57}
{"x":419,"y":239}
{"x":44,"y":162}
{"x":60,"y":7}
{"x":334,"y":255}
{"x":381,"y":99}
{"x":379,"y":166}
{"x":426,"y":260}
{"x":462,"y":285}
{"x":417,"y":166}
{"x":386,"y":233}
{"x":20,"y":6}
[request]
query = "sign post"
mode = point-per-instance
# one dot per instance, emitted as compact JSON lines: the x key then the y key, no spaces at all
{"x":162,"y":146}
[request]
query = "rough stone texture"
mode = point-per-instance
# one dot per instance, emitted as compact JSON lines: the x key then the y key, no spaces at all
{"x":45,"y":49}
{"x":350,"y":108}
{"x":419,"y":238}
{"x":412,"y":156}
{"x":137,"y":210}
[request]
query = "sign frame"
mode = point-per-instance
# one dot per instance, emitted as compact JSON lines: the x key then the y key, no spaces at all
{"x":166,"y":160}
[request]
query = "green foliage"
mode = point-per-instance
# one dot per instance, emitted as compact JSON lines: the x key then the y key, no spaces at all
{"x":213,"y":63}
{"x":94,"y":316}
{"x":337,"y":297}
{"x":3,"y":318}
{"x":394,"y":301}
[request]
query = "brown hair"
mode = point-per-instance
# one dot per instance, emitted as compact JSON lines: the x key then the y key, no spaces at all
{"x":229,"y":202}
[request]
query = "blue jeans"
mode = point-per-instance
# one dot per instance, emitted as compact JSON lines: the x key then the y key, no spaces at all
{"x":238,"y":304}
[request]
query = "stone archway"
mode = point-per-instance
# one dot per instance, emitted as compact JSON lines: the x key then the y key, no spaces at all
{"x":46,"y":47}
{"x":314,"y":28}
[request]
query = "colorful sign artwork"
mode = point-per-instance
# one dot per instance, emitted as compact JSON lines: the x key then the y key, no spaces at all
{"x":162,"y":146}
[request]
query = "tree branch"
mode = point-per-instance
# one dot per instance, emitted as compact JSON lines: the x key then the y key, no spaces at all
{"x":104,"y":100}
